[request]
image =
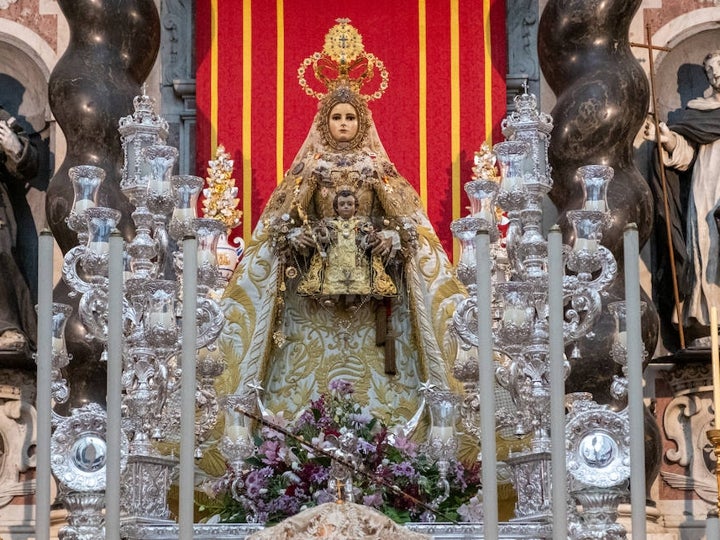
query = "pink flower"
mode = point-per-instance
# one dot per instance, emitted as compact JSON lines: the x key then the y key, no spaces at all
{"x":405,"y":445}
{"x":271,"y":450}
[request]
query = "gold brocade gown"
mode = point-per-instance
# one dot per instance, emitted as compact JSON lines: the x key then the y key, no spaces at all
{"x":295,"y":345}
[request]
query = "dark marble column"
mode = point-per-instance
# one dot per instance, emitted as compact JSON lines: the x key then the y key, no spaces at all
{"x":602,"y":99}
{"x":113,"y":46}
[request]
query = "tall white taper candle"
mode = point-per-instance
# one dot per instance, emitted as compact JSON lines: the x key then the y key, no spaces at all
{"x":187,"y":390}
{"x":486,"y":386}
{"x":44,"y":399}
{"x":712,"y":527}
{"x":557,"y":384}
{"x":635,"y":380}
{"x":715,"y":363}
{"x":114,"y":390}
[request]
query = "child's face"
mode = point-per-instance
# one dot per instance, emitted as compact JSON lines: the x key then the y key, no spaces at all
{"x":346,"y":206}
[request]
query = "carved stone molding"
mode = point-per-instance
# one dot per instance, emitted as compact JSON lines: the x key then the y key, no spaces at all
{"x":17,"y":438}
{"x":686,"y":421}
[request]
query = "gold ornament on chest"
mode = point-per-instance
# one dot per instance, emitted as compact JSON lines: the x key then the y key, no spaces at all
{"x":340,"y":179}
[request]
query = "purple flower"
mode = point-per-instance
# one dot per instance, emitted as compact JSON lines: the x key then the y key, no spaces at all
{"x":404,"y":468}
{"x":365,"y":447}
{"x":284,"y":504}
{"x":324,"y":496}
{"x":375,"y":500}
{"x":341,"y":387}
{"x":320,"y":475}
{"x":460,"y":476}
{"x":256,"y":482}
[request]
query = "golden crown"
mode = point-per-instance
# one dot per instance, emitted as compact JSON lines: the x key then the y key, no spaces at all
{"x":343,"y":62}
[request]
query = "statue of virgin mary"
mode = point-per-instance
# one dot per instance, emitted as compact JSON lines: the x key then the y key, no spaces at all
{"x":294,"y":345}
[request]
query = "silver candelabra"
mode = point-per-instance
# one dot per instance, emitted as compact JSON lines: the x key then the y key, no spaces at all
{"x":597,"y":438}
{"x":164,"y":214}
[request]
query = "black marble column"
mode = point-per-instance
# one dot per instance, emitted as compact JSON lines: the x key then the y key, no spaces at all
{"x":602,"y":99}
{"x":113,"y":46}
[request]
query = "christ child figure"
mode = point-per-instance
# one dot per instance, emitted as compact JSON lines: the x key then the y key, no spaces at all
{"x":344,"y":266}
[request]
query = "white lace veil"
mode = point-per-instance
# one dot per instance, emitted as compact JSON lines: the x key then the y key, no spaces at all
{"x":319,"y":140}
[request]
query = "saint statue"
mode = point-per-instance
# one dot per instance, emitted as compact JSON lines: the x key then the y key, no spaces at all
{"x":344,"y":277}
{"x":691,"y":152}
{"x":18,"y":167}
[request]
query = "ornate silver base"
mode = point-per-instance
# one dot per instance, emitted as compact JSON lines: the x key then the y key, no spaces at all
{"x":436,"y":531}
{"x":531,"y":475}
{"x":144,"y":488}
{"x":85,"y":515}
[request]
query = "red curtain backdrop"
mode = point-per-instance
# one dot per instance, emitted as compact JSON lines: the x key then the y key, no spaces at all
{"x":446,"y":95}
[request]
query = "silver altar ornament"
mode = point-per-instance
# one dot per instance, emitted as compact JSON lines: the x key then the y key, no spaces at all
{"x":78,"y":460}
{"x":143,"y":128}
{"x":86,"y":181}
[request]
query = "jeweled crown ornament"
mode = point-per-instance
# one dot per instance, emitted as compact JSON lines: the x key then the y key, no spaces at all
{"x":343,"y":62}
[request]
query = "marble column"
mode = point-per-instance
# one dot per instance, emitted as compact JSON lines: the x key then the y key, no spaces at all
{"x":113,"y":46}
{"x":602,"y":99}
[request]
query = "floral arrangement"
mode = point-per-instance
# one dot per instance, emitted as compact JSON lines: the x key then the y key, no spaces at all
{"x":220,"y":196}
{"x":284,"y":476}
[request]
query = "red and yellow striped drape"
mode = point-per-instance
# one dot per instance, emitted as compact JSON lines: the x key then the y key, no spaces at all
{"x":447,"y":65}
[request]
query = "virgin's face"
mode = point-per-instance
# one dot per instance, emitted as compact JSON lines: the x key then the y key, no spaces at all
{"x":343,"y":122}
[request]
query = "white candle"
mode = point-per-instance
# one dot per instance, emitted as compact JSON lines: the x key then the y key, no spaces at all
{"x":598,"y":205}
{"x":236,"y":432}
{"x":181,"y":214}
{"x":557,"y":384}
{"x":486,"y":386}
{"x":485,"y":214}
{"x":510,"y":183}
{"x":58,"y":345}
{"x":44,"y":383}
{"x":187,"y":390}
{"x":715,"y":362}
{"x":163,"y":319}
{"x":621,"y":339}
{"x":205,"y":256}
{"x":712,"y":528}
{"x":114,"y":390}
{"x":588,"y":244}
{"x":444,"y":433}
{"x":99,"y":248}
{"x":635,"y":380}
{"x":82,"y":205}
{"x":514,"y":316}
